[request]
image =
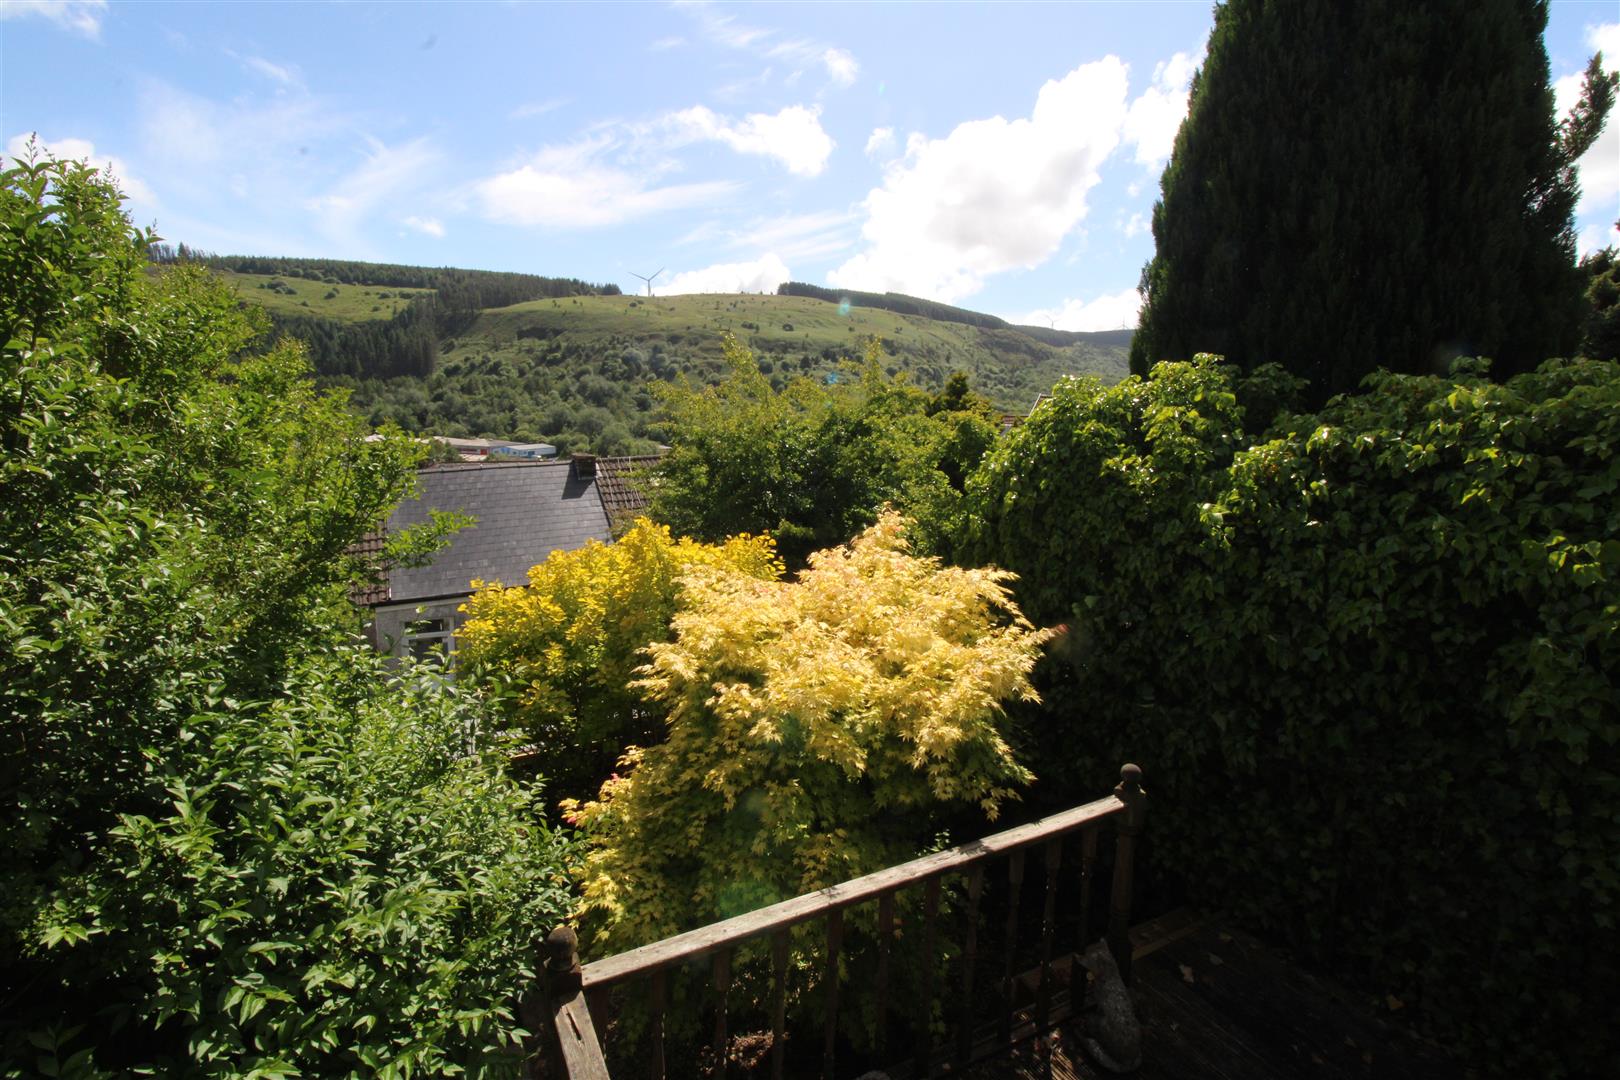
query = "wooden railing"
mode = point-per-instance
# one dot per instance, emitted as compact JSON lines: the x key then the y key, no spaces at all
{"x":568,"y":1033}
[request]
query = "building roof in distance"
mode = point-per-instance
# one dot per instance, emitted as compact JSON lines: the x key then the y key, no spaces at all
{"x":524,"y":512}
{"x":622,"y":496}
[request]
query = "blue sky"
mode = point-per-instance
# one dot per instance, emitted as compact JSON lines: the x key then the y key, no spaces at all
{"x":1003,"y":157}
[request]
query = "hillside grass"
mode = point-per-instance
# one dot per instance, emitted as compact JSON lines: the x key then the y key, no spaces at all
{"x":786,"y":331}
{"x":580,"y":371}
{"x":293,"y":296}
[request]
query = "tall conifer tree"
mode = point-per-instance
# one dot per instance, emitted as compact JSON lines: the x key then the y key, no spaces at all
{"x":1371,"y":184}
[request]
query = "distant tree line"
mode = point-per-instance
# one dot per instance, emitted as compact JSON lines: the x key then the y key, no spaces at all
{"x":459,"y":288}
{"x":407,"y":344}
{"x":897,"y":302}
{"x":932,"y":309}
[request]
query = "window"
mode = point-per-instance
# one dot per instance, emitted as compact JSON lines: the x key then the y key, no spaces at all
{"x":426,"y":638}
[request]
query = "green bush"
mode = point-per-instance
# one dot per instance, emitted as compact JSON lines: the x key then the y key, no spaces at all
{"x":1371,"y":663}
{"x":336,"y":886}
{"x":811,"y":464}
{"x":230,"y":844}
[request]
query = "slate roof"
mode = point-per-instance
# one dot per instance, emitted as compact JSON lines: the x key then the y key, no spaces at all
{"x":525,"y":511}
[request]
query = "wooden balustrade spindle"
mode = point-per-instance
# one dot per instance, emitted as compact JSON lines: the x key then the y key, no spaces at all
{"x":970,"y":958}
{"x":1015,"y":885}
{"x":722,"y":986}
{"x":835,"y":942}
{"x":600,"y":1002}
{"x":1054,"y":861}
{"x":925,"y":1040}
{"x":779,"y":963}
{"x":556,"y":1009}
{"x":1088,"y":866}
{"x":657,"y":993}
{"x":1129,"y":791}
{"x":885,"y":937}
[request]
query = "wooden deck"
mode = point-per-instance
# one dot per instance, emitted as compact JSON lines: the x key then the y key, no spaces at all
{"x":1215,"y":1004}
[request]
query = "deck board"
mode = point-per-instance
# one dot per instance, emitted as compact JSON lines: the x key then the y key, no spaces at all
{"x":1216,"y":1004}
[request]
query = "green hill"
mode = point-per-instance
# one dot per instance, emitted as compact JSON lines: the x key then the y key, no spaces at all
{"x":449,"y":351}
{"x":291,"y":297}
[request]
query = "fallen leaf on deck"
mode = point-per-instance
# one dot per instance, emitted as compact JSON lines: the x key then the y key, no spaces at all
{"x":1217,"y":961}
{"x":1186,"y":973}
{"x":1394,"y":1003}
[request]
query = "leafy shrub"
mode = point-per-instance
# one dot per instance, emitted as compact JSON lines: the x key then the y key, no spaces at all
{"x":1371,"y":662}
{"x":334,"y":887}
{"x":559,"y":653}
{"x":813,"y":727}
{"x":229,"y":843}
{"x":810,"y":464}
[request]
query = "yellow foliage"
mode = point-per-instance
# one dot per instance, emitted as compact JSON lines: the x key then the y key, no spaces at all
{"x":562,"y":650}
{"x":812,"y":725}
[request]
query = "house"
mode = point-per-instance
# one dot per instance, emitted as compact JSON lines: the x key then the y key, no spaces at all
{"x":524,"y":451}
{"x":524,"y":511}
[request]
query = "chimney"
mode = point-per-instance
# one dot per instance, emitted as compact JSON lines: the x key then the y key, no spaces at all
{"x":584,"y":465}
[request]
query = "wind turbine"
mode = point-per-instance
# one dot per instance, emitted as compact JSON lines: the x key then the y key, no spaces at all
{"x":648,"y":280}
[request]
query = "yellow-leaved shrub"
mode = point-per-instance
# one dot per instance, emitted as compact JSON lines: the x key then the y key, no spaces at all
{"x":812,"y":726}
{"x":560,"y":652}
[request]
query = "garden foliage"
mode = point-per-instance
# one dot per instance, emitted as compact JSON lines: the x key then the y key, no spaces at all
{"x":811,"y":464}
{"x":1378,"y":184}
{"x":813,"y":727}
{"x":1371,"y":664}
{"x":559,"y":653}
{"x":229,"y":845}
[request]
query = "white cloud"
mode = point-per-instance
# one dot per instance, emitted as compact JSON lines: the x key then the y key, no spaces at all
{"x":1594,"y":237}
{"x":578,"y":186}
{"x":1136,"y":226}
{"x":80,"y":16}
{"x":427,"y":226}
{"x":666,"y":43}
{"x":880,"y":142}
{"x":1600,"y":167}
{"x":83,"y":150}
{"x":291,"y":166}
{"x":841,"y":66}
{"x":991,"y":196}
{"x":794,"y":237}
{"x":1605,"y":39}
{"x":724,"y":29}
{"x":261,"y":136}
{"x":386,"y":172}
{"x":763,"y":274}
{"x":286,"y":76}
{"x":1156,"y":115}
{"x":1114,"y":311}
{"x":536,"y":108}
{"x":793,"y":136}
{"x":801,"y":53}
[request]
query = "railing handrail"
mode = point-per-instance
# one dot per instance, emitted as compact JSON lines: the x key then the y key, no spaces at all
{"x":599,"y":974}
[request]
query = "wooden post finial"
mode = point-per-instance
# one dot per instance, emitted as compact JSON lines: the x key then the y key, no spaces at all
{"x":1130,"y":780}
{"x":1129,"y":791}
{"x":560,"y":955}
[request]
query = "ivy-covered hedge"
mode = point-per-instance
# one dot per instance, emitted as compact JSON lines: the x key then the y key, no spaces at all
{"x":1371,"y":664}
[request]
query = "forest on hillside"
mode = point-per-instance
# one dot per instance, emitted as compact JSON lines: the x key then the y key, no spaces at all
{"x":471,"y":353}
